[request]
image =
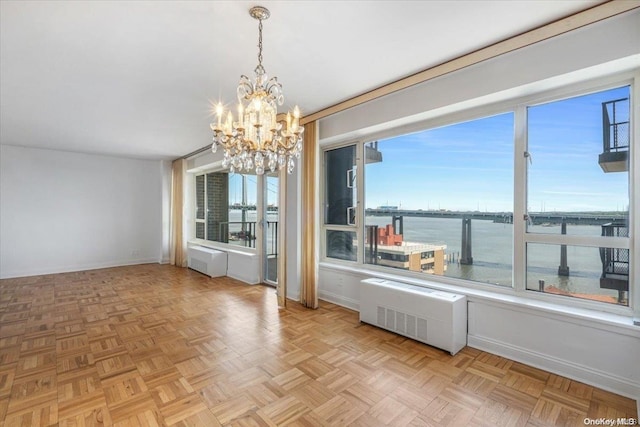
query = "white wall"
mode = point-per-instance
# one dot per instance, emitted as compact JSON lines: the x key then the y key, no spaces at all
{"x":63,"y":211}
{"x":293,"y":230}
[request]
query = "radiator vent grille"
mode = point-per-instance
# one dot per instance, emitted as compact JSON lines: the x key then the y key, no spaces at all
{"x":198,"y":265}
{"x":400,"y":322}
{"x":381,"y":316}
{"x":434,"y":317}
{"x":411,"y":326}
{"x":391,"y":319}
{"x":406,"y":324}
{"x":422,"y":329}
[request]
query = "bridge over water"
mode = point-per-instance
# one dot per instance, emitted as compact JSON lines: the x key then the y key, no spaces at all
{"x":612,"y":223}
{"x":536,"y":218}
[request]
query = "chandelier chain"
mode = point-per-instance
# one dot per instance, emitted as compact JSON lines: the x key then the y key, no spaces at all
{"x":260,"y":43}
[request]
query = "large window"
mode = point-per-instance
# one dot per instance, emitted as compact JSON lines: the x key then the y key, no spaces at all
{"x":226,"y":208}
{"x":578,"y":197}
{"x":441,"y":202}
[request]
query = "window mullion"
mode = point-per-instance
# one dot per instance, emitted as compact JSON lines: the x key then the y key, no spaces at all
{"x":577,"y":240}
{"x":634,"y":205}
{"x":206,"y":209}
{"x":519,"y":198}
{"x":360,"y":219}
{"x":259,"y":230}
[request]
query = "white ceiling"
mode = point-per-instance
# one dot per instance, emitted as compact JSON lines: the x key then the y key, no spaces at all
{"x":137,"y":79}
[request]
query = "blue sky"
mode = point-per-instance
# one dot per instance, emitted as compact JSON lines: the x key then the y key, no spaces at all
{"x":565,"y":139}
{"x":469,"y":166}
{"x":235,"y":189}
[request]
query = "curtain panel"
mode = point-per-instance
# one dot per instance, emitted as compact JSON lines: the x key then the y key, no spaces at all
{"x":177,"y":241}
{"x":309,"y":288}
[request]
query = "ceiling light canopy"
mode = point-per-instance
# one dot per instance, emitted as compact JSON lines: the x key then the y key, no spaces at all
{"x":257,"y":140}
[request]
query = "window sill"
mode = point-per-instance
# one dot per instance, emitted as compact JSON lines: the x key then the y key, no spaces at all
{"x":521,"y":301}
{"x":222,"y":246}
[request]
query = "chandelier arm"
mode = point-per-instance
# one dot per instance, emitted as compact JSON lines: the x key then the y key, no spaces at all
{"x":274,"y":89}
{"x":287,"y":143}
{"x":245,"y":88}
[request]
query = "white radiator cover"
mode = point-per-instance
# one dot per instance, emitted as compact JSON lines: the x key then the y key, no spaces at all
{"x":207,"y":261}
{"x":430,"y":316}
{"x":243,"y":266}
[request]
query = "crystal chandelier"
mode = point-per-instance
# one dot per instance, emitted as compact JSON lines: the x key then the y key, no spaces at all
{"x":257,"y":140}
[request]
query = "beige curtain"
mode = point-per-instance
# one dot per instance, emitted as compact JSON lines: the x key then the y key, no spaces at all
{"x":309,"y":289}
{"x":178,"y":244}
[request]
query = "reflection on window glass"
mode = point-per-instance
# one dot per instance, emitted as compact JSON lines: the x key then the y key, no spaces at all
{"x":227,"y":204}
{"x":200,"y":230}
{"x":341,"y":245}
{"x":578,"y":174}
{"x":240,"y":228}
{"x":200,"y":197}
{"x":596,"y":274}
{"x":340,"y":186}
{"x":440,"y":201}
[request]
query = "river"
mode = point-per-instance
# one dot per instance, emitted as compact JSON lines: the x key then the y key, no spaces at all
{"x":492,"y":252}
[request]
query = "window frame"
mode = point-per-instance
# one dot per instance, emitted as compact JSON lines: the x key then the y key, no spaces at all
{"x":214,"y":243}
{"x":518,"y":107}
{"x":525,"y":237}
{"x":356,"y":227}
{"x":197,"y":220}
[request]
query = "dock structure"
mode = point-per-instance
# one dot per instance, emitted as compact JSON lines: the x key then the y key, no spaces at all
{"x":563,"y":268}
{"x":466,"y":257}
{"x":535,"y":218}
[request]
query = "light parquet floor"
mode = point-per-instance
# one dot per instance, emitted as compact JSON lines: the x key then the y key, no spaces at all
{"x":160,"y":345}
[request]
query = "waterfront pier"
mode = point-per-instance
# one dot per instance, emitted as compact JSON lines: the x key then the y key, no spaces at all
{"x":466,"y":258}
{"x":612,"y":223}
{"x":535,"y":218}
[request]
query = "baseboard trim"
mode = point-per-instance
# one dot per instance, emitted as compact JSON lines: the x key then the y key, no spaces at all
{"x":587,"y":375}
{"x":75,"y":268}
{"x":339,"y":300}
{"x":244,"y":280}
{"x":294,"y":297}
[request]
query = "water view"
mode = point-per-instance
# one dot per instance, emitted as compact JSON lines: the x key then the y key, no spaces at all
{"x":576,"y":151}
{"x":492,"y":253}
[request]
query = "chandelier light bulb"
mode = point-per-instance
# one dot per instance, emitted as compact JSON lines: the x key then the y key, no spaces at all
{"x":257,"y":135}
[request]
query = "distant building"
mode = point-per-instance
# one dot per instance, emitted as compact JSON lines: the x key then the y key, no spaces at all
{"x":393,"y":251}
{"x":388,"y":208}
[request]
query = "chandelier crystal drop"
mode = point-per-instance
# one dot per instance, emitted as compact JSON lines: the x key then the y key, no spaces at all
{"x":257,"y":140}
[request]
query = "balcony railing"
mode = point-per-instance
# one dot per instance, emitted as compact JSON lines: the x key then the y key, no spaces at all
{"x":244,"y":234}
{"x":615,"y":136}
{"x":615,"y":125}
{"x":615,"y":261}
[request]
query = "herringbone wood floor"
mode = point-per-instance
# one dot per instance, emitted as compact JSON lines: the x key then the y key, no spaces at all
{"x":159,"y":345}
